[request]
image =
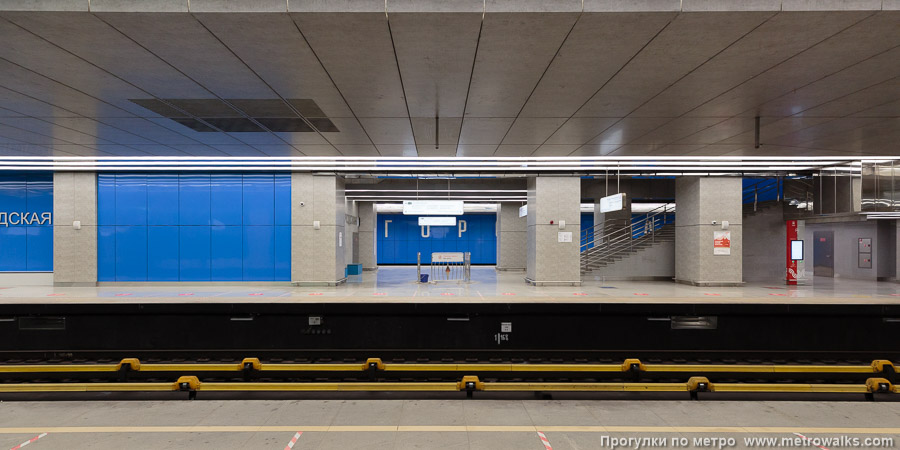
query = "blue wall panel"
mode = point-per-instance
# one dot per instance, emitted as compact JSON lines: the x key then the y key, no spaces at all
{"x":194,"y":253}
{"x":162,"y":253}
{"x":131,"y":253}
{"x":162,"y":199}
{"x":259,"y":253}
{"x":283,"y":199}
{"x":194,"y":227}
{"x":193,"y":199}
{"x":405,"y":239}
{"x":226,"y":200}
{"x":227,"y":258}
{"x":106,"y":253}
{"x":26,"y":230}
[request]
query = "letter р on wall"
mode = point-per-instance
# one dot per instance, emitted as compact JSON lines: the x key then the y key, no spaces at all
{"x":26,"y":231}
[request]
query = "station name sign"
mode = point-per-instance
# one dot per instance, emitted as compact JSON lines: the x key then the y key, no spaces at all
{"x":433,"y":208}
{"x":25,"y":218}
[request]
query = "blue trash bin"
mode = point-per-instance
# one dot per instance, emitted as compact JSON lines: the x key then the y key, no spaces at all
{"x":423,"y":278}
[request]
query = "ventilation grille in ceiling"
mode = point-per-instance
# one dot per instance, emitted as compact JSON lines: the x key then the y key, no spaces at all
{"x":243,"y":115}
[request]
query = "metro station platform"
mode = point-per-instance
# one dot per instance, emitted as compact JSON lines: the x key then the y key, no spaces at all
{"x":397,"y":285}
{"x":409,"y":424}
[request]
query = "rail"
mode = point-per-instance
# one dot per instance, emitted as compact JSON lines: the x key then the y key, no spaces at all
{"x":632,"y":366}
{"x":596,"y":247}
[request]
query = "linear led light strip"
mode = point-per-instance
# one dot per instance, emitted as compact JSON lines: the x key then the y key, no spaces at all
{"x":580,"y":169}
{"x":413,"y":191}
{"x":879,"y":159}
{"x":381,"y":163}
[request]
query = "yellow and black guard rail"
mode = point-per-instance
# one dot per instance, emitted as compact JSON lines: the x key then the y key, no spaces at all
{"x":876,"y":377}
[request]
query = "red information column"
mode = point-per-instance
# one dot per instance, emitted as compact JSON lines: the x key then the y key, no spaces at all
{"x":791,"y":263}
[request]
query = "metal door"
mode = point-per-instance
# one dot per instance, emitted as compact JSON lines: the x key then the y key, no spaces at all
{"x":823,"y":253}
{"x":355,"y":250}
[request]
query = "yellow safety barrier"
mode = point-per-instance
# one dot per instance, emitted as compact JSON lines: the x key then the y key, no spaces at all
{"x":376,"y":364}
{"x":468,"y":383}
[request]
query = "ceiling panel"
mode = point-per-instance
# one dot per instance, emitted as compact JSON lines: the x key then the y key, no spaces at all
{"x":775,"y":129}
{"x":867,"y":38}
{"x":514,"y":51}
{"x":351,"y":132}
{"x":555,"y":150}
{"x":627,"y":129}
{"x":319,"y":150}
{"x":357,"y":53}
{"x":515,"y":150}
{"x":871,"y":72}
{"x":185,"y":44}
{"x":424,"y":129}
{"x":435,"y":53}
{"x":30,"y":84}
{"x":859,"y":101}
{"x":686,"y":43}
{"x":288,"y":64}
{"x":484,"y":130}
{"x":598,"y":46}
{"x":448,"y":151}
{"x":530,"y":130}
{"x":579,"y":130}
{"x":91,"y":39}
{"x":828,"y":128}
{"x":777,"y":39}
{"x":391,"y":131}
{"x":476,"y":150}
{"x":396,"y":150}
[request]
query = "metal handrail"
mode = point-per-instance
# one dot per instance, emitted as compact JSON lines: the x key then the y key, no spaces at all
{"x":622,"y":239}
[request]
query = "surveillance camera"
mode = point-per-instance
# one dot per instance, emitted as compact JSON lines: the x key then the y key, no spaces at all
{"x":301,"y":203}
{"x":714,"y":222}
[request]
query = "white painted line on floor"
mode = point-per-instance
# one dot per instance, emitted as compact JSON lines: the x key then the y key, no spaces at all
{"x":28,"y":441}
{"x":544,"y":440}
{"x":450,"y":428}
{"x":290,"y":445}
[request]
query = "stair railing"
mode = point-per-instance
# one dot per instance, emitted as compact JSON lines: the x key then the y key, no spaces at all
{"x":597,"y":247}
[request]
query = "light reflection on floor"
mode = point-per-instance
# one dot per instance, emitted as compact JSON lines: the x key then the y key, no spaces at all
{"x":398,"y":285}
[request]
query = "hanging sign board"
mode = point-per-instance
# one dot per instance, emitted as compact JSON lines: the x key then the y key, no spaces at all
{"x":433,"y":207}
{"x":523,"y":210}
{"x":437,"y":221}
{"x":612,"y":203}
{"x":721,"y":242}
{"x":439,"y":257}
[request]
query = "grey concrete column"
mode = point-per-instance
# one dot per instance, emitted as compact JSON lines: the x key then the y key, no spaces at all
{"x":512,"y":238}
{"x":75,"y":250}
{"x":700,"y":201}
{"x":549,"y":261}
{"x":317,"y":255}
{"x":367,"y":238}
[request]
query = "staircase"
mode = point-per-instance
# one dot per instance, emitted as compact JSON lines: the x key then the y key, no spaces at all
{"x":599,"y":249}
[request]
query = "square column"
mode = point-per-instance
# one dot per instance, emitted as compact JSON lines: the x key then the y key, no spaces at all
{"x":549,"y":261}
{"x":367,"y":238}
{"x":317,"y":255}
{"x":700,"y":202}
{"x":512,"y":237}
{"x":75,"y":250}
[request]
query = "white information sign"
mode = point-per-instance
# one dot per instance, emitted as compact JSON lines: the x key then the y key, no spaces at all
{"x":523,"y":210}
{"x":447,"y":257}
{"x":564,"y":236}
{"x":797,"y":250}
{"x":612,"y":203}
{"x":433,"y":207}
{"x":437,"y":221}
{"x":721,"y":242}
